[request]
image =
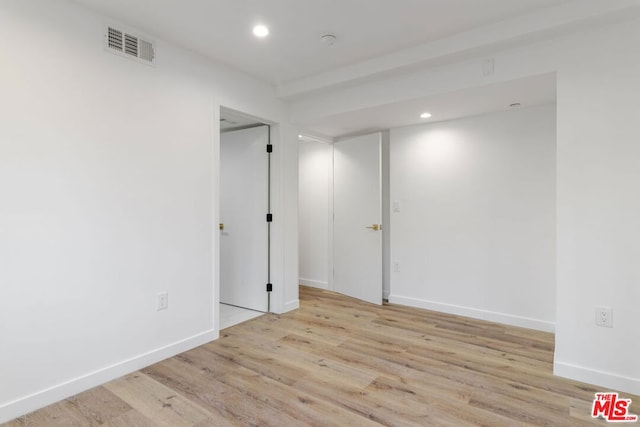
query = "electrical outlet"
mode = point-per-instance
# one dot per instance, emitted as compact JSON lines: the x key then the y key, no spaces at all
{"x":163,"y":301}
{"x":604,"y":317}
{"x":396,"y":266}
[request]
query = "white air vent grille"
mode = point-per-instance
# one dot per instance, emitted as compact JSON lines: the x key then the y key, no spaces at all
{"x":145,"y":50}
{"x":129,"y":45}
{"x":114,"y":39}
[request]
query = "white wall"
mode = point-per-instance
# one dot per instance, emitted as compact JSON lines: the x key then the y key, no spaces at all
{"x":596,"y":227}
{"x":284,"y":235}
{"x":109,"y":190}
{"x":315,"y":174}
{"x":475,"y":234}
{"x":598,"y":209}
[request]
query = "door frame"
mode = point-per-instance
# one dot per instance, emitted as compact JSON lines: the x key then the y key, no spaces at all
{"x":277,"y":296}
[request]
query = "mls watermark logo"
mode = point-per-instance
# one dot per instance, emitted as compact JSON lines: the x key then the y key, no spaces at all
{"x":610,"y":407}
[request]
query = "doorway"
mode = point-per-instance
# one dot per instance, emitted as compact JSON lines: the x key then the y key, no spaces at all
{"x":342,"y":226}
{"x":357,"y":218}
{"x":244,"y":228}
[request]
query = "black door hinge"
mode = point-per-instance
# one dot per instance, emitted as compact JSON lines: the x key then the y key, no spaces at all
{"x":269,"y":217}
{"x":269,"y":148}
{"x":269,"y":287}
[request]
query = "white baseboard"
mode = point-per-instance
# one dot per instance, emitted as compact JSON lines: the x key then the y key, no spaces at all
{"x":607,"y":380}
{"x":291,"y":305}
{"x":313,"y":283}
{"x":492,"y":316}
{"x":26,"y":404}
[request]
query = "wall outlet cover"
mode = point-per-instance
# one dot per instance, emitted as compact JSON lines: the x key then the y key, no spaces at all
{"x":604,"y":317}
{"x":163,"y":301}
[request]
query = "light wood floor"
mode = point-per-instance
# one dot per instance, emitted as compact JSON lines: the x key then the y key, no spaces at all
{"x":340,"y":362}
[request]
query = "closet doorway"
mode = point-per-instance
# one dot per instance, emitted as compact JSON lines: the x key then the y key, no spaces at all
{"x":244,"y":229}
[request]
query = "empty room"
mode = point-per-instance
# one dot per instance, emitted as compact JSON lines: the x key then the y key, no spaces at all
{"x":331,"y":212}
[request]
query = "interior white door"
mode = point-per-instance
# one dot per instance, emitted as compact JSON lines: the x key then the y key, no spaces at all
{"x":243,"y":209}
{"x":357,"y":206}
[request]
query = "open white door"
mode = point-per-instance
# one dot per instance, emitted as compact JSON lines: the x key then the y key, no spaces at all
{"x":357,"y":230}
{"x":243,"y":209}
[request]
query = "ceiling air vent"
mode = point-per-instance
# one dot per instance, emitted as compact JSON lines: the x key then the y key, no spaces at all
{"x":129,"y":45}
{"x":114,"y":39}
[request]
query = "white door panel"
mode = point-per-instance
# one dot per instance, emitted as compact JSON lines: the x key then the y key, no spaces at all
{"x":357,"y":208}
{"x":243,"y":209}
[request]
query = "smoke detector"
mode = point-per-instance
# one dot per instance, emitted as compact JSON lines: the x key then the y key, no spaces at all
{"x":329,"y":39}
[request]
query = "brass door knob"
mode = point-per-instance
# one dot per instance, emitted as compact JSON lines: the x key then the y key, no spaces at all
{"x":375,"y":227}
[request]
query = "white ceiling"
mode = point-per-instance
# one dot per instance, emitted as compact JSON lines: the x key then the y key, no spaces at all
{"x":221,"y":29}
{"x":528,"y":92}
{"x":375,"y":38}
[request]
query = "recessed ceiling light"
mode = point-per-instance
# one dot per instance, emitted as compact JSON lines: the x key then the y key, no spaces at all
{"x":260,"y":31}
{"x":425,"y":115}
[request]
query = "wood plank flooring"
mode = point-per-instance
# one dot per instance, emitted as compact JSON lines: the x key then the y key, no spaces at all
{"x":341,"y":362}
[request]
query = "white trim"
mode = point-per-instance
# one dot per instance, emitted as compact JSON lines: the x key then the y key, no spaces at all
{"x":26,"y":404}
{"x":314,"y":283}
{"x":330,"y":240}
{"x":215,"y":209}
{"x":278,"y":226}
{"x":607,"y":380}
{"x":492,"y":316}
{"x":385,"y":176}
{"x":291,"y":305}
